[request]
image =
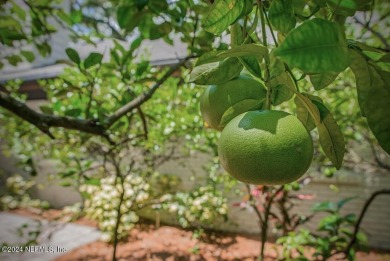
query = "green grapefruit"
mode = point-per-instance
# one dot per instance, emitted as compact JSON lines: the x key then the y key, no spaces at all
{"x":217,"y":99}
{"x":265,"y":147}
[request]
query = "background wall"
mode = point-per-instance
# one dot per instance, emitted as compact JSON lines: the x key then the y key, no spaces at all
{"x":376,"y":223}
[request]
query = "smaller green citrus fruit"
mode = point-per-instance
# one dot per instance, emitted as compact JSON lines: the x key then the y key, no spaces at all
{"x":217,"y":99}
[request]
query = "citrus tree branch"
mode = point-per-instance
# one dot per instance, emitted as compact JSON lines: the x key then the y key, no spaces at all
{"x":44,"y":121}
{"x":138,"y":101}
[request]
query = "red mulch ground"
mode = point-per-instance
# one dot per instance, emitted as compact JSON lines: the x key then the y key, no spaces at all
{"x":146,"y":242}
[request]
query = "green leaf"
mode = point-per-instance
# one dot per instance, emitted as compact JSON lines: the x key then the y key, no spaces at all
{"x":158,"y":5}
{"x":316,"y":46}
{"x":349,"y":218}
{"x":377,"y":108}
{"x":347,"y":7}
{"x":359,"y":67}
{"x":46,"y":109}
{"x":141,"y":3}
{"x":251,"y":64}
{"x":236,"y":35}
{"x":73,"y":55}
{"x":65,"y":17}
{"x":76,"y":16}
{"x":330,"y":136}
{"x":222,"y":14}
{"x":141,"y":68}
{"x":68,"y":173}
{"x":128,"y":16}
{"x":325,"y":207}
{"x":19,"y":11}
{"x":281,"y":15}
{"x":282,"y":88}
{"x":257,"y":50}
{"x":216,"y":73}
{"x":30,"y":56}
{"x":209,"y":57}
{"x":323,"y":80}
{"x":92,"y":181}
{"x":281,"y":83}
{"x":299,"y":6}
{"x":303,"y":115}
{"x":385,"y":58}
{"x":93,"y":59}
{"x":362,"y":238}
{"x":343,"y":201}
{"x":374,"y":96}
{"x":14,"y":59}
{"x":75,"y":112}
{"x":240,"y":107}
{"x":66,"y":183}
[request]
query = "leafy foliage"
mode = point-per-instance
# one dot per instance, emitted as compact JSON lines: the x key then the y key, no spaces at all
{"x":335,"y":229}
{"x":299,"y":49}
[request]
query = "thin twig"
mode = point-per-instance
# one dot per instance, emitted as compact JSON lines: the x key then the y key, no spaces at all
{"x":144,"y":96}
{"x":377,"y":34}
{"x":361,"y":216}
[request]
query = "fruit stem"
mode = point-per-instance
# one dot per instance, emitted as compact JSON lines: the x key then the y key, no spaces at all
{"x":266,"y":59}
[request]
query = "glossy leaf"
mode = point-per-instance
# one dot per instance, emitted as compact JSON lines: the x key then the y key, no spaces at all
{"x":209,"y":57}
{"x":359,"y":67}
{"x":323,"y":80}
{"x":303,"y":115}
{"x":93,"y":59}
{"x":330,"y":136}
{"x":240,"y":107}
{"x":217,"y":72}
{"x":30,"y":56}
{"x":73,"y":55}
{"x":374,"y":96}
{"x":282,"y":88}
{"x":248,"y":7}
{"x":222,"y":14}
{"x":316,"y":46}
{"x":281,"y":15}
{"x":377,"y":107}
{"x":347,"y":7}
{"x":129,"y":17}
{"x":251,"y":64}
{"x":257,"y":50}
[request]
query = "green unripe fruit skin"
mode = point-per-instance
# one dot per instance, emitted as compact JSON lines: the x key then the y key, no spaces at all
{"x":216,"y":99}
{"x":265,"y":147}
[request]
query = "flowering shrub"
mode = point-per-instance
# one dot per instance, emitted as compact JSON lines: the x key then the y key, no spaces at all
{"x":203,"y":205}
{"x":102,"y":202}
{"x":17,"y":196}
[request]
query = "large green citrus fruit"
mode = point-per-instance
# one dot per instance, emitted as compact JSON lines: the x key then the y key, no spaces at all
{"x":216,"y":99}
{"x":265,"y":147}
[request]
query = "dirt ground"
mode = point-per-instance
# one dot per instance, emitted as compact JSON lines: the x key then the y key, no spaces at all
{"x":147,"y":242}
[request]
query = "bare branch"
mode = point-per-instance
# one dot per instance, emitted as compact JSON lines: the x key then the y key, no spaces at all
{"x":377,"y":34}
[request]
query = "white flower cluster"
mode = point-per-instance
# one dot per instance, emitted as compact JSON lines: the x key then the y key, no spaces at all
{"x":204,"y":205}
{"x":103,"y":201}
{"x":17,"y":196}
